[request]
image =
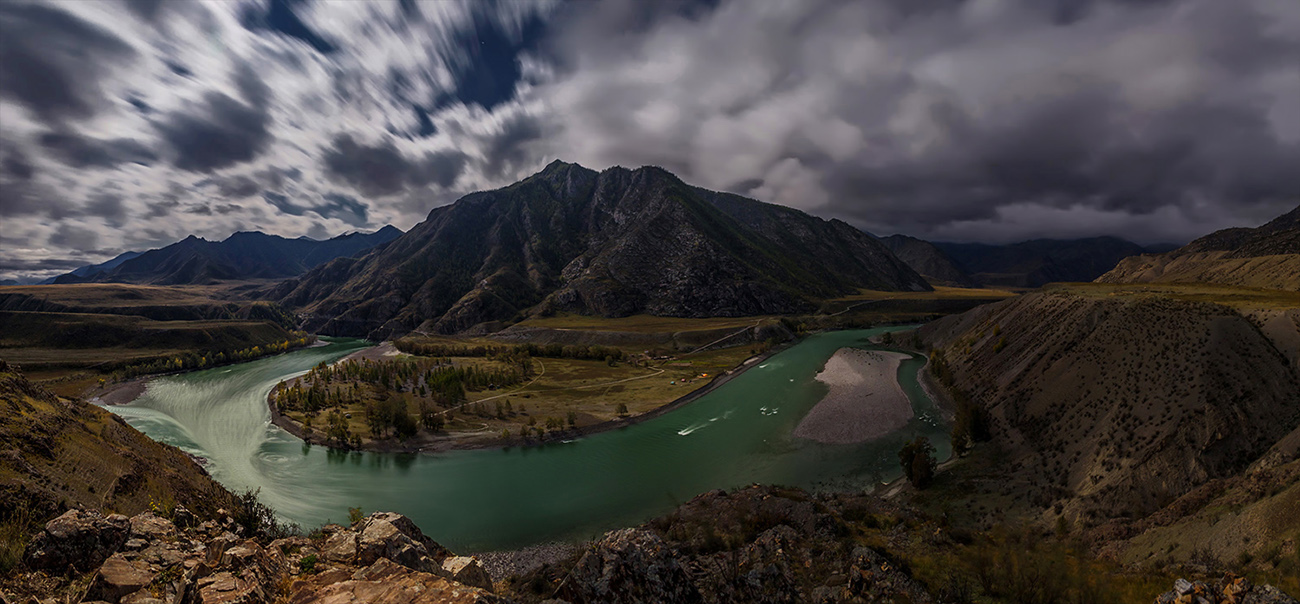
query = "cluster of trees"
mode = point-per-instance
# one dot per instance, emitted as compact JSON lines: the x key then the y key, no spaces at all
{"x":203,"y":360}
{"x":918,"y":462}
{"x":549,"y":351}
{"x":971,"y":424}
{"x":354,"y":382}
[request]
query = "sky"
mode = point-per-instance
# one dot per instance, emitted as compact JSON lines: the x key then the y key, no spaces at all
{"x":131,"y":124}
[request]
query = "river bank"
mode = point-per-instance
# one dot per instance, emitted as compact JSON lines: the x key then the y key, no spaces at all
{"x":443,"y":442}
{"x":126,"y":391}
{"x":864,"y":402}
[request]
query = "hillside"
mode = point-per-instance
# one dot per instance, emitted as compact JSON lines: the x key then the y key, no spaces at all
{"x":1092,"y":391}
{"x":1040,"y":261}
{"x":1267,"y":256}
{"x":928,"y":260}
{"x":613,"y":243}
{"x":59,"y":454}
{"x":243,"y":255}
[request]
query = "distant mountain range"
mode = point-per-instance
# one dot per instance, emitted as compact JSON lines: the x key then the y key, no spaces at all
{"x":611,"y":243}
{"x":243,"y":255}
{"x":1027,"y":264}
{"x":1266,"y":257}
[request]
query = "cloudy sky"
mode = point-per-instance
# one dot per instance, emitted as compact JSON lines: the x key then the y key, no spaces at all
{"x":129,"y":124}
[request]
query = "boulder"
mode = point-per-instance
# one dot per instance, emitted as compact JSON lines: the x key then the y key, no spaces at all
{"x":77,"y":538}
{"x":391,"y":584}
{"x":1231,"y":589}
{"x":227,"y":588}
{"x":148,"y":526}
{"x":630,"y":566}
{"x":871,"y":575}
{"x":467,"y":570}
{"x":394,"y":536}
{"x":340,"y":547}
{"x":119,"y":577}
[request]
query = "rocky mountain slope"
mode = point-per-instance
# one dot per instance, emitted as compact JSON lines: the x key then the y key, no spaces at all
{"x":759,"y":544}
{"x":612,"y":243}
{"x":1266,"y":256}
{"x":243,"y":255}
{"x":1115,"y":405}
{"x":57,"y":453}
{"x":928,"y":260}
{"x":1040,"y":261}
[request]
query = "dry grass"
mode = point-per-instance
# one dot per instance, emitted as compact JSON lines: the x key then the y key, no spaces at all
{"x":640,"y":323}
{"x":125,"y":295}
{"x":1240,"y":298}
{"x":939,"y":293}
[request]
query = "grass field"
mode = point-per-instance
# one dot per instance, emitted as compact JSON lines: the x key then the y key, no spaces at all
{"x":641,"y":323}
{"x":939,"y":293}
{"x":1236,"y":297}
{"x":123,"y":295}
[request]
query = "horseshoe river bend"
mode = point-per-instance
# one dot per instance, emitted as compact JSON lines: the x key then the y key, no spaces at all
{"x":490,"y":499}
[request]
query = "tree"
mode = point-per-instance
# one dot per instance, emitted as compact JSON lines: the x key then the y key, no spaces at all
{"x":918,"y":463}
{"x":961,"y":441}
{"x":621,"y":409}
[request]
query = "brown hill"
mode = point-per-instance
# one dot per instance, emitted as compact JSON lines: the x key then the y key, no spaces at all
{"x":1266,"y":256}
{"x":928,"y":260}
{"x":59,"y":454}
{"x":1116,"y":404}
{"x":613,"y":243}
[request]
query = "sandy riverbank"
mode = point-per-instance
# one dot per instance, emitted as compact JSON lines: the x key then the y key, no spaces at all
{"x":865,"y":400}
{"x":120,"y":393}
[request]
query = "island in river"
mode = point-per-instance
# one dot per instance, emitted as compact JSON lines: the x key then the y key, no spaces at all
{"x":431,"y":397}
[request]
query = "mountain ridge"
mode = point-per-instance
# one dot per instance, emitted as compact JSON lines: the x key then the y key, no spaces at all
{"x":242,"y":255}
{"x":1267,"y":257}
{"x":610,"y":243}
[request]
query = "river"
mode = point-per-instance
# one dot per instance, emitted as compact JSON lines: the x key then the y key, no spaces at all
{"x":483,"y":500}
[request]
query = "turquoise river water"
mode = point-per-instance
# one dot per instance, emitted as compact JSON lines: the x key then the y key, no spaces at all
{"x":483,"y":500}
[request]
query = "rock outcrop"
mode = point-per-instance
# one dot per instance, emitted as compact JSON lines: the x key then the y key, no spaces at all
{"x":1231,"y":589}
{"x":78,"y":539}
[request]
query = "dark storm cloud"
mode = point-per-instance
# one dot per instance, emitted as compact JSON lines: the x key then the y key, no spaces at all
{"x":382,"y":170}
{"x":508,"y":149}
{"x":53,"y":62}
{"x":336,"y":205}
{"x":86,"y":152}
{"x":950,"y":117}
{"x":224,"y":132}
{"x":107,"y":206}
{"x":75,"y":237}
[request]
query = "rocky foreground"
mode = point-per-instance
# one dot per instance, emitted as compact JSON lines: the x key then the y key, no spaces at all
{"x":760,"y":544}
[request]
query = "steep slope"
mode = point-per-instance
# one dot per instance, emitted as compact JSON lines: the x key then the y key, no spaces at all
{"x":91,"y":269}
{"x":1266,"y":257}
{"x":58,"y":454}
{"x":244,"y":255}
{"x":928,"y":260}
{"x":1040,"y":261}
{"x":1115,"y":405}
{"x":613,"y":243}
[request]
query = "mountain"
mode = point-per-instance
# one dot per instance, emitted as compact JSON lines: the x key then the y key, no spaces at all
{"x":1114,"y":404}
{"x":93,"y":269}
{"x":1266,"y":257}
{"x":928,"y":260}
{"x":1040,"y":261}
{"x":611,"y":243}
{"x":243,"y":255}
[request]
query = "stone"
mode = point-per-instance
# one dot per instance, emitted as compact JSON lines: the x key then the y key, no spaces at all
{"x":340,"y":547}
{"x":182,"y":517}
{"x":399,"y":585}
{"x":217,"y":547}
{"x":150,"y":527}
{"x":630,"y":566}
{"x":77,"y":538}
{"x":393,"y":536}
{"x":467,"y":570}
{"x":119,"y":577}
{"x":227,"y":588}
